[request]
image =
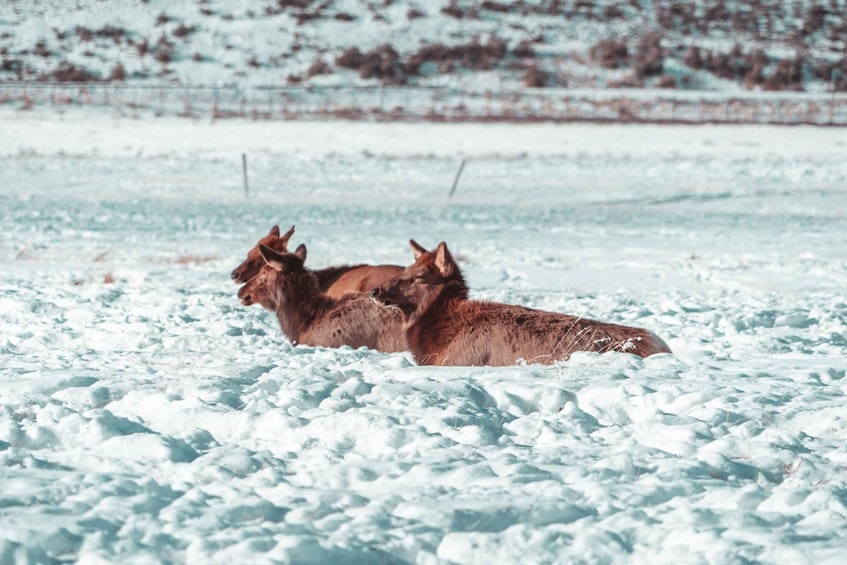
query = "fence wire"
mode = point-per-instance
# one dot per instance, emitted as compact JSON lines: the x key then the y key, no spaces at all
{"x":439,"y":104}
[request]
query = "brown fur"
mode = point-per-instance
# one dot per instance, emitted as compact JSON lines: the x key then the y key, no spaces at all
{"x":309,"y":316}
{"x":443,"y":327}
{"x":335,"y":281}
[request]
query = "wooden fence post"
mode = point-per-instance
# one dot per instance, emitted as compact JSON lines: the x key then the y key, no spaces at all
{"x":456,"y":180}
{"x":244,"y":171}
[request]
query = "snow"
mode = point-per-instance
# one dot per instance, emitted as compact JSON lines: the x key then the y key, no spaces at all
{"x":265,"y":42}
{"x":155,"y":419}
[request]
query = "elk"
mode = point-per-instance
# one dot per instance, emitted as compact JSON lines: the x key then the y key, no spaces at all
{"x":444,"y":327}
{"x":335,"y":281}
{"x":309,"y":316}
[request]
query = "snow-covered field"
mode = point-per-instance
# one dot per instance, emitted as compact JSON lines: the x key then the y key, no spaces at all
{"x":146,"y":416}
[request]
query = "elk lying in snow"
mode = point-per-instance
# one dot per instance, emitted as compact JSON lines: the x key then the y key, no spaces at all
{"x":335,"y":281}
{"x":443,"y":327}
{"x":309,"y":316}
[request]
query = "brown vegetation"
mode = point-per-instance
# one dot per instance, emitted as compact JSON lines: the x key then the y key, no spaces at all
{"x":67,"y":72}
{"x":609,"y":53}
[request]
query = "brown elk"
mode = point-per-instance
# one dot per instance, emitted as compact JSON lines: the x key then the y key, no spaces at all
{"x":444,"y":327}
{"x":309,"y":316}
{"x":335,"y":281}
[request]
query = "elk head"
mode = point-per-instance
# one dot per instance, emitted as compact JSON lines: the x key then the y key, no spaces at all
{"x":417,"y":287}
{"x":261,"y":289}
{"x":250,"y":267}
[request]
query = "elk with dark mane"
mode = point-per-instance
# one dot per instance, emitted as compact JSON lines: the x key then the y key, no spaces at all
{"x":309,"y":316}
{"x":444,"y":327}
{"x":335,"y":281}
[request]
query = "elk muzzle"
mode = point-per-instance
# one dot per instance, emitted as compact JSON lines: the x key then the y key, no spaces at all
{"x":245,"y":296}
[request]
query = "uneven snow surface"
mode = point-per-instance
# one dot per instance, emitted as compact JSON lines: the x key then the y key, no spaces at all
{"x":146,"y":416}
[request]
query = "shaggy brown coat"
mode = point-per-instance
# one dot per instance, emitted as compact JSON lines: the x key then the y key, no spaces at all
{"x":444,"y":327}
{"x":309,"y":316}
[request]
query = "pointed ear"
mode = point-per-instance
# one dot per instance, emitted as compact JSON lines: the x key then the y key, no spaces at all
{"x":444,"y":261}
{"x":274,"y":231}
{"x":301,"y":252}
{"x":286,"y":236}
{"x":416,"y":248}
{"x":272,"y":258}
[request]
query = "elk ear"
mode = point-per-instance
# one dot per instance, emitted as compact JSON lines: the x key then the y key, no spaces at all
{"x":301,"y":252}
{"x":274,"y":231}
{"x":272,"y":258}
{"x":286,"y":236}
{"x":444,"y":261}
{"x":416,"y":248}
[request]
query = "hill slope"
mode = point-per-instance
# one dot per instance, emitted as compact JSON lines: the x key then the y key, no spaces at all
{"x":703,"y":44}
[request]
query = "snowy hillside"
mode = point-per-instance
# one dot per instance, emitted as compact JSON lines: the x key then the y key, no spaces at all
{"x":478,"y":45}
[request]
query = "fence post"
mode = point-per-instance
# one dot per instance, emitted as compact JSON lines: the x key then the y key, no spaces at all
{"x":456,"y":180}
{"x":244,"y":171}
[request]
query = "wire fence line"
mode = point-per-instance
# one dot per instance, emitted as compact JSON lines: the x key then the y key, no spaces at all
{"x":439,"y":104}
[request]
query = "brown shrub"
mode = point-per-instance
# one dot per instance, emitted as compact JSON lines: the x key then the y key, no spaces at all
{"x":84,"y":34}
{"x":472,"y":55}
{"x":318,"y":67}
{"x":299,"y":4}
{"x":666,"y":81}
{"x":524,"y":49}
{"x":12,"y":65}
{"x":649,"y":55}
{"x":716,"y":12}
{"x":183,"y":30}
{"x":382,"y":62}
{"x":814,"y":19}
{"x":754,"y":76}
{"x":114,"y":33}
{"x":721,"y":65}
{"x":495,"y":6}
{"x":609,"y":53}
{"x":678,"y":16}
{"x":453,"y":10}
{"x":118,"y":73}
{"x":41,"y":49}
{"x":534,"y":77}
{"x":67,"y":72}
{"x":788,"y":75}
{"x":613,"y":12}
{"x":351,"y":58}
{"x":628,"y":81}
{"x":693,"y":58}
{"x":164,"y":50}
